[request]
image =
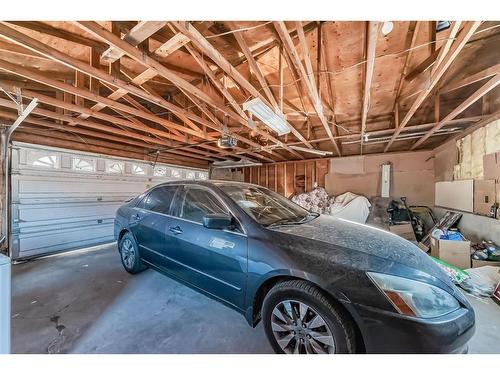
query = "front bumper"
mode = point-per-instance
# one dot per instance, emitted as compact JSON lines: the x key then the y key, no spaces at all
{"x":387,"y":332}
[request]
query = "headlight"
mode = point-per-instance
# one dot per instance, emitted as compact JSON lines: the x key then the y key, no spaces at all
{"x":414,"y":298}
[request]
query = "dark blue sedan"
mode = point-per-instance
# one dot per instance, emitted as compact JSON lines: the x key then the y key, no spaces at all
{"x":319,"y":284}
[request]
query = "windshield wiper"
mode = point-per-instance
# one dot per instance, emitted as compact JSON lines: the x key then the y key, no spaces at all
{"x":286,"y":221}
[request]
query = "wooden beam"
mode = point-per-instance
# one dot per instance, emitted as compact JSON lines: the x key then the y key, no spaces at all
{"x":46,"y":29}
{"x":425,"y":126}
{"x":373,"y":30}
{"x":150,"y":63}
{"x":14,"y":69}
{"x":113,"y":131}
{"x":483,"y":90}
{"x":471,"y":79}
{"x":95,"y":134}
{"x":211,"y":76}
{"x":139,"y":33}
{"x":203,"y":45}
{"x":238,"y":35}
{"x":19,"y":38}
{"x":61,"y":140}
{"x":457,"y":46}
{"x":447,"y":44}
{"x":306,"y":77}
{"x":413,"y":29}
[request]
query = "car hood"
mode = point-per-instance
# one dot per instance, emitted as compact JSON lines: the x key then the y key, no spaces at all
{"x":366,"y":239}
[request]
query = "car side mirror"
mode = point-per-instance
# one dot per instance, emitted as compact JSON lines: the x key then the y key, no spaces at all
{"x":217,"y":221}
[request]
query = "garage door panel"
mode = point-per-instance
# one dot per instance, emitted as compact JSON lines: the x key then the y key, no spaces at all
{"x":64,"y":239}
{"x":71,"y":212}
{"x":57,"y":207}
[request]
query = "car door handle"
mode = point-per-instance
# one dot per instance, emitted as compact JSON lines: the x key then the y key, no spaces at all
{"x":176,"y":230}
{"x":136,"y":216}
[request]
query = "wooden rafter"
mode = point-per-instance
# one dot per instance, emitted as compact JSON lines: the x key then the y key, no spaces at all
{"x":465,"y":34}
{"x":373,"y":30}
{"x":19,"y":38}
{"x":211,"y":76}
{"x":238,"y":35}
{"x":305,"y":76}
{"x":139,"y":33}
{"x":483,"y":90}
{"x":471,"y":79}
{"x":202,"y":44}
{"x":151,"y":63}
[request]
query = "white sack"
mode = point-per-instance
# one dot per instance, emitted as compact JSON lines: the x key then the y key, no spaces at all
{"x":350,"y":206}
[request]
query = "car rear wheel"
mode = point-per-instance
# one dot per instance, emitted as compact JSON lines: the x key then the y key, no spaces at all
{"x":300,"y":319}
{"x":129,"y":254}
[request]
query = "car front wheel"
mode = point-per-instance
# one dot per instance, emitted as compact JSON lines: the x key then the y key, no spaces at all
{"x":300,"y":319}
{"x":129,"y":254}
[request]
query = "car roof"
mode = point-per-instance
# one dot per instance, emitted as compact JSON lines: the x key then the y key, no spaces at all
{"x":205,"y":183}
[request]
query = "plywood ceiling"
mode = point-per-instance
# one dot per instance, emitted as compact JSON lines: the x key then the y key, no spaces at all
{"x":168,"y":90}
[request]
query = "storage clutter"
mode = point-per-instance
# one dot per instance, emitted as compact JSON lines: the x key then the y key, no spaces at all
{"x":347,"y":206}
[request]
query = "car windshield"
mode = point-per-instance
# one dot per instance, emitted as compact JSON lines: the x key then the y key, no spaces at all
{"x":267,"y":207}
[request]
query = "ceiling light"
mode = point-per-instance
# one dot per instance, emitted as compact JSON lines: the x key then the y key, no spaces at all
{"x":311,"y":150}
{"x":243,"y":162}
{"x":387,"y":27}
{"x":273,"y":120}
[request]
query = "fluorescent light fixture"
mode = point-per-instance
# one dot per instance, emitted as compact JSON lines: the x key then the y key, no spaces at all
{"x":387,"y":27}
{"x":265,"y":114}
{"x":243,"y":162}
{"x":311,"y":150}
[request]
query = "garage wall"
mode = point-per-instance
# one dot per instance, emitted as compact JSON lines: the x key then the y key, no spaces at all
{"x":412,"y":175}
{"x":63,"y":200}
{"x":286,"y":178}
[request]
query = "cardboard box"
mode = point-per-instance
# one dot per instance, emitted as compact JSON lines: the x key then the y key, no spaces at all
{"x":496,"y":293}
{"x":491,"y":166}
{"x":481,"y":263}
{"x":456,"y":253}
{"x":484,"y":196}
{"x":491,"y":170}
{"x":403,"y":230}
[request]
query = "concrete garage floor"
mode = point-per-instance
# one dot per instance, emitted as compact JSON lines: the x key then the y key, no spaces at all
{"x":84,"y":302}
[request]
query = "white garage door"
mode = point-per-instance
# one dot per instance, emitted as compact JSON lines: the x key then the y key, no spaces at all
{"x":62,"y":200}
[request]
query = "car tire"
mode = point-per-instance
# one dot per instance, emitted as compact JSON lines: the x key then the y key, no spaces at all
{"x":301,"y":328}
{"x":129,"y":254}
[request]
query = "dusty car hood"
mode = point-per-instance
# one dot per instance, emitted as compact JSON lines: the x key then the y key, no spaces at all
{"x":366,"y":239}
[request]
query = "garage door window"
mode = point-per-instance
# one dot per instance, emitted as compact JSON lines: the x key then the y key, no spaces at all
{"x":114,"y":167}
{"x":138,"y":169}
{"x":83,"y":165}
{"x":159,"y":199}
{"x":175,"y":173}
{"x":160,"y":171}
{"x":42,"y":159}
{"x":197,"y":203}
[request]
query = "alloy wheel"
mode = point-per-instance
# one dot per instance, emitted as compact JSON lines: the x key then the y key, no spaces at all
{"x":128,"y":253}
{"x":299,"y":329}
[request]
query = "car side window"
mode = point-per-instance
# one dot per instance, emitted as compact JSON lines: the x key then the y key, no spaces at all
{"x":159,"y":199}
{"x":197,"y":203}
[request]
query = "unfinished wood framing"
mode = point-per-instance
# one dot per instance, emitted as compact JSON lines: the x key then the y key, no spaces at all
{"x":177,"y":87}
